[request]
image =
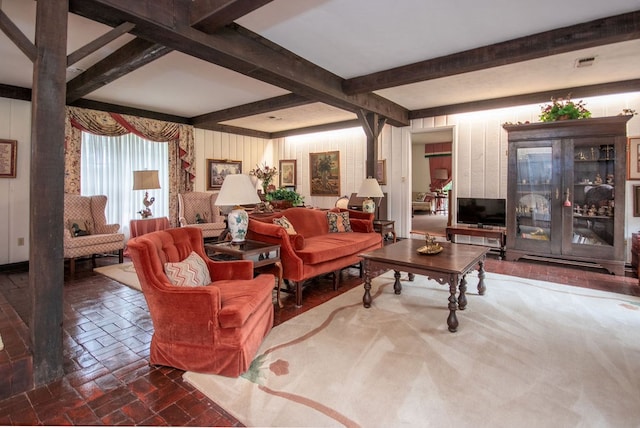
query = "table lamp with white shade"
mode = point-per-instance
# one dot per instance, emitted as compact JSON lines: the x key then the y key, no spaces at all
{"x":237,"y":190}
{"x":370,"y":189}
{"x":146,"y":180}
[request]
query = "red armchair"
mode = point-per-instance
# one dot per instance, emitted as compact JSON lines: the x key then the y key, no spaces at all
{"x":215,"y":328}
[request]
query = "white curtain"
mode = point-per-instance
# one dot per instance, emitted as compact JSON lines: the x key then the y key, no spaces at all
{"x":106,"y":168}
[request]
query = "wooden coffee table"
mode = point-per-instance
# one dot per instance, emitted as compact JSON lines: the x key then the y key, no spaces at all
{"x":448,"y":267}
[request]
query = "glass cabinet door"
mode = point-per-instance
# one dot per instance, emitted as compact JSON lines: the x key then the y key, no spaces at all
{"x":534,"y":191}
{"x":593,"y":193}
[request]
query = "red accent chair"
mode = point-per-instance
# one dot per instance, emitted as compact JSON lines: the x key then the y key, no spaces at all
{"x":216,"y":328}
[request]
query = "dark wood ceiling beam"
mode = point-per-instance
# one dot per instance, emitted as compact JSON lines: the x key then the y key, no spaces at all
{"x":532,"y":98}
{"x":581,"y":36}
{"x":17,"y":37}
{"x":115,"y":108}
{"x":237,"y":130}
{"x":234,"y":49}
{"x":353,"y":123}
{"x":15,"y":92}
{"x":208,"y":15}
{"x":128,"y":58}
{"x":250,"y":109}
{"x":101,"y":41}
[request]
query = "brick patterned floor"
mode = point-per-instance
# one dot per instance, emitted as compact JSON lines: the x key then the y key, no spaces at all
{"x":107,"y":331}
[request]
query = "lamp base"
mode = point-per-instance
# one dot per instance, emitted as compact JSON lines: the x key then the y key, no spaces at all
{"x":145,"y":213}
{"x":369,"y":206}
{"x":238,"y":222}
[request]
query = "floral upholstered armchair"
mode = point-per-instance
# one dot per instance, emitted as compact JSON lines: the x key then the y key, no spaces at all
{"x":198,"y":209}
{"x":86,"y":232}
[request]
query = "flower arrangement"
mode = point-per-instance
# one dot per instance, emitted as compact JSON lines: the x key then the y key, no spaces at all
{"x":564,"y":109}
{"x":265,"y":173}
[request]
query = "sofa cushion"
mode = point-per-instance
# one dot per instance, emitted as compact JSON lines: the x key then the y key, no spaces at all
{"x":284,"y":222}
{"x":191,"y":272}
{"x":338,"y":222}
{"x":307,"y":222}
{"x":331,"y":246}
{"x":420,"y":197}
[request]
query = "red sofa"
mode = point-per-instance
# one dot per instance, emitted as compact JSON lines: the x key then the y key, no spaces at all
{"x":313,"y":250}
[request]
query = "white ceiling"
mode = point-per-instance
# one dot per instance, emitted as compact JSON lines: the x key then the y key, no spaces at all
{"x":350,"y":40}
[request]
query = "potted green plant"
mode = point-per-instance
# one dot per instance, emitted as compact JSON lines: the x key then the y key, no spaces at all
{"x":284,"y":198}
{"x":564,"y":109}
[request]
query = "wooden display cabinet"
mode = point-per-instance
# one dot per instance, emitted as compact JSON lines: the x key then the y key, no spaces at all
{"x":566,"y":185}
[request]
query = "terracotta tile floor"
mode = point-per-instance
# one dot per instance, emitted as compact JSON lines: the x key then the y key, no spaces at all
{"x":107,"y":332}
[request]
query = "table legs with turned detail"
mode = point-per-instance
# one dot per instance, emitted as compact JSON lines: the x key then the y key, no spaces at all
{"x":450,"y":267}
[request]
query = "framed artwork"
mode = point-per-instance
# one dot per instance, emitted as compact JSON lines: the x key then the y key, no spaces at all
{"x":288,"y":173}
{"x":324,"y":169}
{"x":381,"y":171}
{"x":636,"y":201}
{"x":218,"y":169}
{"x":633,"y":158}
{"x":8,"y":155}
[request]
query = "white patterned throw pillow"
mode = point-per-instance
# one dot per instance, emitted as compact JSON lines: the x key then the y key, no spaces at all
{"x":191,"y":272}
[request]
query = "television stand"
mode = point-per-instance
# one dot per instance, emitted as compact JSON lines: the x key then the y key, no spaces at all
{"x":489,"y":232}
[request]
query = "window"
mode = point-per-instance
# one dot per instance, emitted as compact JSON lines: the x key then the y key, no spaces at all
{"x":106,"y":168}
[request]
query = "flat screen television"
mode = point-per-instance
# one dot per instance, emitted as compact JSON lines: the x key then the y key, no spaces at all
{"x":482,"y":211}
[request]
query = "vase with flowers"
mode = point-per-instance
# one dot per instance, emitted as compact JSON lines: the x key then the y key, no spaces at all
{"x":266,"y":174}
{"x":564,"y":109}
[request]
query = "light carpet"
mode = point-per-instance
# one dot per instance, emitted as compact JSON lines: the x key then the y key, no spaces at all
{"x":528,"y":353}
{"x":124,"y":273}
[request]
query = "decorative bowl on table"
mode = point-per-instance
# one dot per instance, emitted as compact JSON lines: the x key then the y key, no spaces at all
{"x":431,"y":247}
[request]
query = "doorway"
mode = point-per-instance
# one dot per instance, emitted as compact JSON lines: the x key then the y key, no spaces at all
{"x":432,"y":175}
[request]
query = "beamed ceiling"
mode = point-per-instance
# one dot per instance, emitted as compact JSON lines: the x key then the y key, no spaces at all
{"x":282,"y":67}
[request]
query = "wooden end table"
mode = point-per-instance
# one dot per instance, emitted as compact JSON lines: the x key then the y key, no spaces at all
{"x":490,"y":232}
{"x":451,"y":266}
{"x":265,"y":257}
{"x":383,"y":227}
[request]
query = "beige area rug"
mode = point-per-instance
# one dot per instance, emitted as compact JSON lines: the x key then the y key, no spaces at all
{"x":124,"y":273}
{"x":434,"y":224}
{"x":528,"y":353}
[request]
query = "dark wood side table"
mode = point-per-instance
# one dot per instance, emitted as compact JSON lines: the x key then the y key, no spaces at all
{"x":265,"y":257}
{"x":383,"y":227}
{"x":493,"y":232}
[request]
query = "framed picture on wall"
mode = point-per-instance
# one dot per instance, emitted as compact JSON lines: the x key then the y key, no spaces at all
{"x":288,"y":173}
{"x":218,"y":169}
{"x":8,"y":156}
{"x":324,"y":170}
{"x":381,"y":171}
{"x":633,"y":158}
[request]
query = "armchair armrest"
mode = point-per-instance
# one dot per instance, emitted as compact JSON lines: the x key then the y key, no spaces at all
{"x":231,"y":269}
{"x":274,"y":234}
{"x":360,"y":225}
{"x":192,"y":325}
{"x":108,"y":228}
{"x":182,"y":221}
